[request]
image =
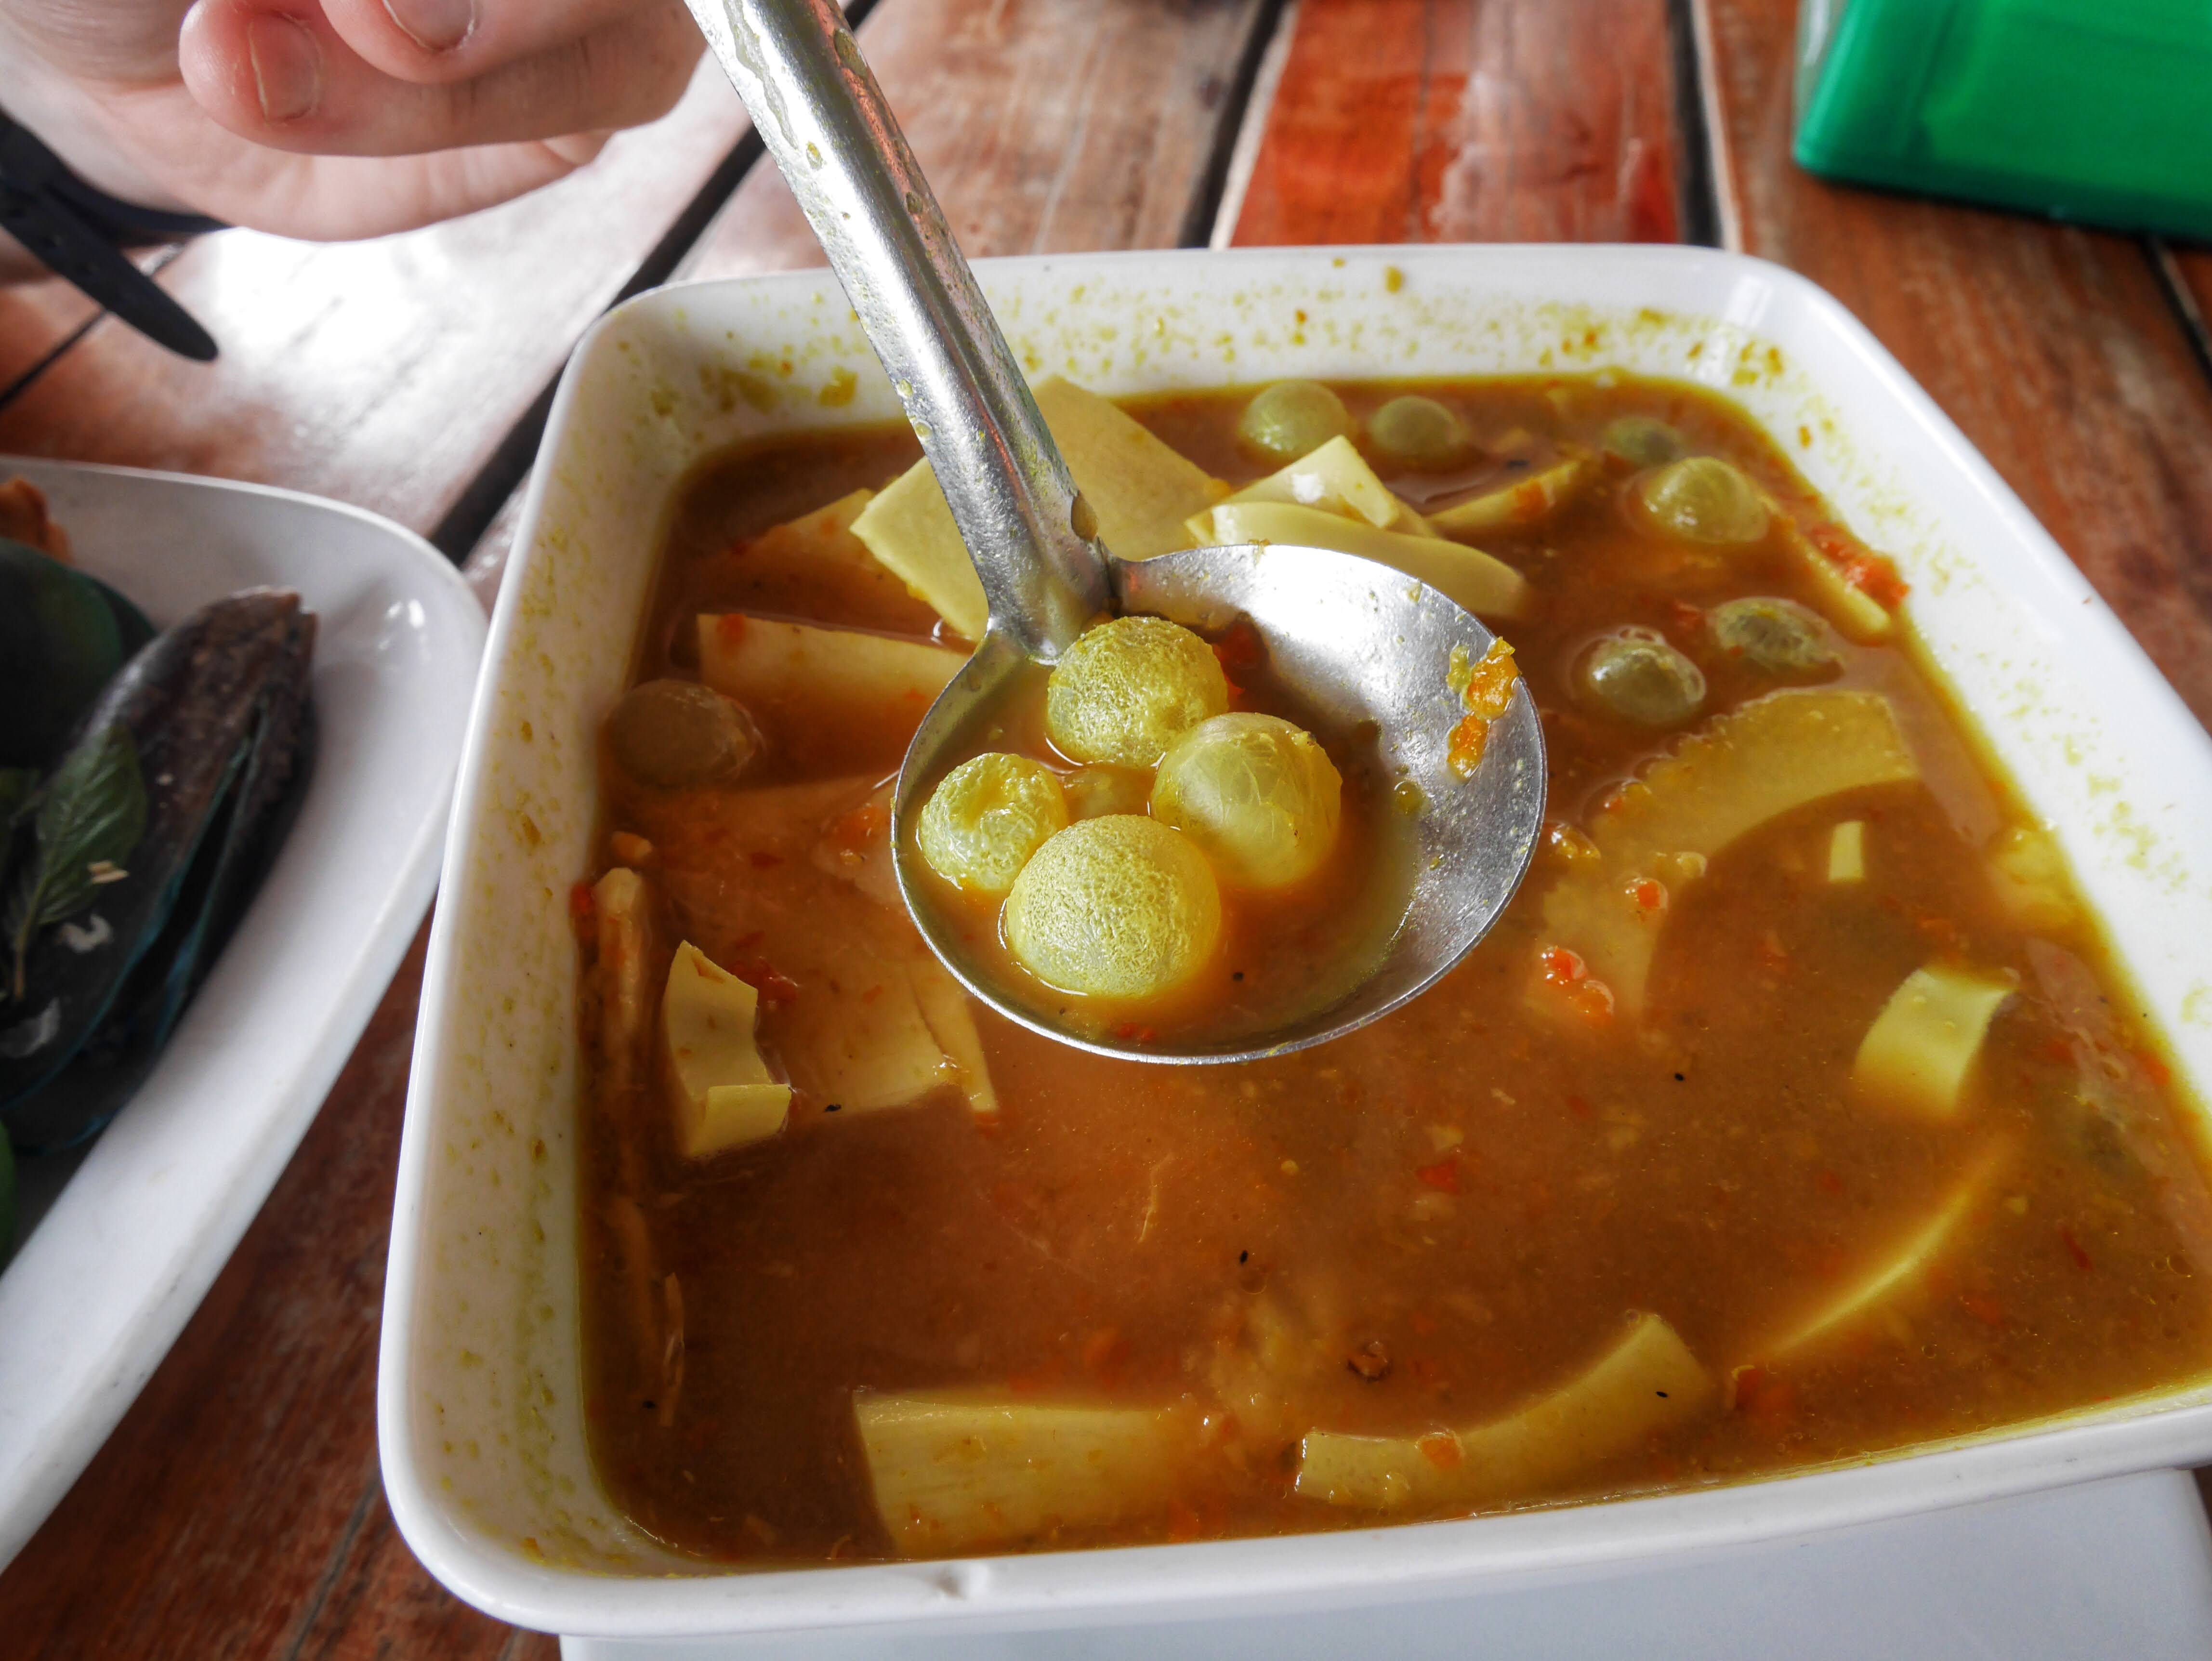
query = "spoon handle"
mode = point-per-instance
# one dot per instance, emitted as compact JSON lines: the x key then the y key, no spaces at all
{"x":824,"y":121}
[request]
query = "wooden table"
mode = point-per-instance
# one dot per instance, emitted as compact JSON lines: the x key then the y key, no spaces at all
{"x":237,"y":1511}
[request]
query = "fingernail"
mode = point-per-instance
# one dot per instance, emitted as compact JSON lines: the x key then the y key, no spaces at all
{"x":434,"y":25}
{"x":287,"y":67}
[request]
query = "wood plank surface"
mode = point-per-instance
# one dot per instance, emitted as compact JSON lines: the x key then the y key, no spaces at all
{"x":36,"y":318}
{"x":237,"y":1510}
{"x":1463,"y":121}
{"x":1043,"y":125}
{"x":2191,"y":271}
{"x":385,"y":372}
{"x":2056,"y":350}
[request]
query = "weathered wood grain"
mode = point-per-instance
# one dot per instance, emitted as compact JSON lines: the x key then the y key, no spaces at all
{"x":1043,"y":125}
{"x":2056,"y":350}
{"x":377,"y":1601}
{"x":36,"y":318}
{"x":234,"y":1511}
{"x":1463,"y":121}
{"x":2190,"y":271}
{"x":384,"y":373}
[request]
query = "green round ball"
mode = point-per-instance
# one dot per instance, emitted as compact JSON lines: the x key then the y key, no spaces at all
{"x":1258,"y":795}
{"x":1703,"y":499}
{"x":986,"y":817}
{"x":1121,"y":907}
{"x":1292,"y":418}
{"x":1126,"y":689}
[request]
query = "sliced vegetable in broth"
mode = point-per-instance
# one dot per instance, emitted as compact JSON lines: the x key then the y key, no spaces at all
{"x":1791,"y":1114}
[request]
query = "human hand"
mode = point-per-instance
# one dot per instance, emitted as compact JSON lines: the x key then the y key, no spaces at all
{"x":330,"y":119}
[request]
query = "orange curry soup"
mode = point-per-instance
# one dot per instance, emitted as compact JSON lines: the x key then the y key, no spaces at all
{"x":1792,"y":1113}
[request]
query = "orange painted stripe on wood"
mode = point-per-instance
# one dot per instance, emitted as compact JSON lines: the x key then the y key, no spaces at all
{"x":1044,"y":125}
{"x":1457,"y":120}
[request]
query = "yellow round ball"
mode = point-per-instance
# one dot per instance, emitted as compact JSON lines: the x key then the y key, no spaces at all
{"x":1258,"y":795}
{"x":1119,"y":907}
{"x":986,"y":817}
{"x":1129,"y":688}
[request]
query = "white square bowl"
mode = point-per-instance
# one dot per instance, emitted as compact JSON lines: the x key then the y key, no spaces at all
{"x":123,"y":1238}
{"x":480,"y":1401}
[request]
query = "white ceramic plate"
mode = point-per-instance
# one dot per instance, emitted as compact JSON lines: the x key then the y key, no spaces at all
{"x":122,"y":1241}
{"x":480,"y":1402}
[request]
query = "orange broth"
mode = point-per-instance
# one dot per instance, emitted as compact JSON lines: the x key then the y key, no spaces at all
{"x":1417,"y":1230}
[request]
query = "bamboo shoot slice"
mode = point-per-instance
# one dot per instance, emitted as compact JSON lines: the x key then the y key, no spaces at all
{"x":1856,"y":614}
{"x":1335,"y":478}
{"x":1920,"y":1049}
{"x":796,"y":675}
{"x":1487,"y":587}
{"x":957,"y":1473}
{"x":1847,"y":852}
{"x":1141,"y":489}
{"x":951,"y":1022}
{"x":622,"y":908}
{"x":855,"y":847}
{"x":1900,"y":1268}
{"x":719,"y":1087}
{"x":855,"y":1034}
{"x":1760,"y":760}
{"x":1524,"y":502}
{"x":1647,"y":1383}
{"x":822,"y":537}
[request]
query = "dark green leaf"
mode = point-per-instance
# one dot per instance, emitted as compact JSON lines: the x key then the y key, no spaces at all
{"x":16,"y":784}
{"x":91,"y":814}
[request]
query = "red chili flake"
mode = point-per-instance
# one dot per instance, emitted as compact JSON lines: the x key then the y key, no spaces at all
{"x":1871,"y":574}
{"x":1649,"y":894}
{"x":1982,"y":1307}
{"x":1441,"y":1449}
{"x":581,"y":905}
{"x":2060,"y":1050}
{"x":1763,"y":1398}
{"x":730,"y":628}
{"x":1687,"y":617}
{"x":1469,"y":740}
{"x":1580,"y":1107}
{"x":1240,"y":648}
{"x":1130,"y":1032}
{"x":2161,"y":1073}
{"x":1443,"y":1175}
{"x":1827,"y":1182}
{"x":1561,"y":966}
{"x":773,"y":986}
{"x":2074,"y":1249}
{"x":762,"y":860}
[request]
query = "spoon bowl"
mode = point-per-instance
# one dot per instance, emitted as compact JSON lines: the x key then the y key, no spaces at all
{"x":1361,"y":647}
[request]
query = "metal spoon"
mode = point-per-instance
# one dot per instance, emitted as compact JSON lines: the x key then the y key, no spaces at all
{"x":1357,"y":642}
